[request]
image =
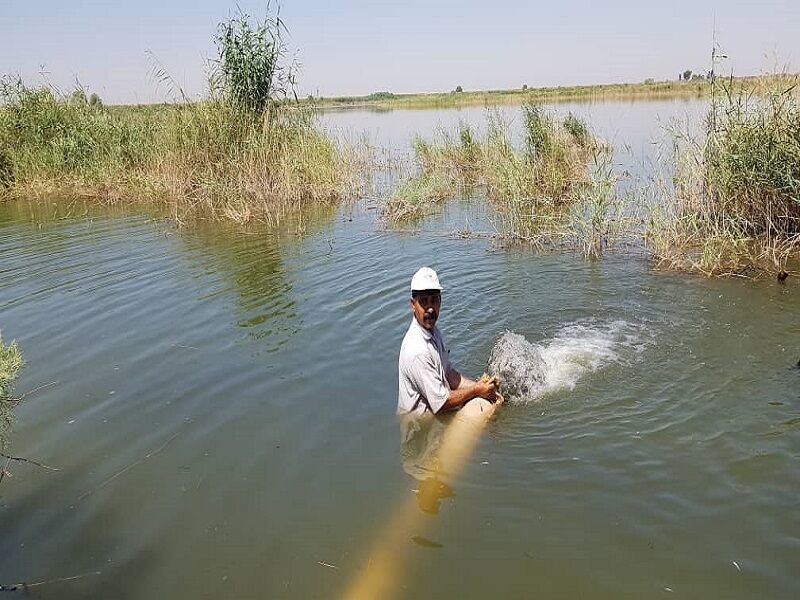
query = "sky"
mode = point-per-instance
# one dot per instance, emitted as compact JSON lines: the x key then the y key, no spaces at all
{"x":355,"y":47}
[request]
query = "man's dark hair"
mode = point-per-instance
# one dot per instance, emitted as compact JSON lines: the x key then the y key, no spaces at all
{"x":417,"y":293}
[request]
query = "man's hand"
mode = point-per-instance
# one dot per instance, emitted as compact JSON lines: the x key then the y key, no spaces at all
{"x":489,"y":385}
{"x":485,"y":387}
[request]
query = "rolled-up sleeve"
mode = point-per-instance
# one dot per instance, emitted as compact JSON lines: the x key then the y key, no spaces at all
{"x":429,"y":382}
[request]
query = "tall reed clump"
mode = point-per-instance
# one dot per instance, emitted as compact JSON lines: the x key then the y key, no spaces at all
{"x":532,"y":184}
{"x":247,"y":152}
{"x":735,"y":202}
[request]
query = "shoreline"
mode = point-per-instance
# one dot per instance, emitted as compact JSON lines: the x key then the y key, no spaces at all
{"x":656,"y":90}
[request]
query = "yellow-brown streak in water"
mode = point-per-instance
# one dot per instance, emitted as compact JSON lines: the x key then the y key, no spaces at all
{"x":381,"y":572}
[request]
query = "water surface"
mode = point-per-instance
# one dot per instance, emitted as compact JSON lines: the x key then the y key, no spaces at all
{"x":223,"y":415}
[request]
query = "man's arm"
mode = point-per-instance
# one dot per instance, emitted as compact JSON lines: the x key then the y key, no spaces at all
{"x":463,"y":389}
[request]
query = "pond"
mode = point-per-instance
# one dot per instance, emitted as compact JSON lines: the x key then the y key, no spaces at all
{"x":223,"y":408}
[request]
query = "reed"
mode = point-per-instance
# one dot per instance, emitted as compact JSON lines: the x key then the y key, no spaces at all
{"x":529,"y":184}
{"x":734,"y":205}
{"x":247,"y":152}
{"x":416,"y":197}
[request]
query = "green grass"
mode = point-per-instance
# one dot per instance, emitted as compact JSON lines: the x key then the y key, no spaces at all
{"x":735,"y":202}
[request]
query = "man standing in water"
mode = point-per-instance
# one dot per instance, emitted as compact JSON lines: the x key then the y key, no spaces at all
{"x":428,"y":382}
{"x":431,"y":448}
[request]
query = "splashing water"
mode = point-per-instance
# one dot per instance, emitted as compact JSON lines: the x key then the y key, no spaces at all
{"x":529,"y":371}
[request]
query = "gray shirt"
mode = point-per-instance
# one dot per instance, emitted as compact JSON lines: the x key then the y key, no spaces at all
{"x":423,"y":367}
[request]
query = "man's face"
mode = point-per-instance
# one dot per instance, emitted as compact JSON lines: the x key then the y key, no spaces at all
{"x":425,"y":306}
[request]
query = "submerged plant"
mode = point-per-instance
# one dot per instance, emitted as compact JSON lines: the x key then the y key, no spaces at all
{"x":11,"y":362}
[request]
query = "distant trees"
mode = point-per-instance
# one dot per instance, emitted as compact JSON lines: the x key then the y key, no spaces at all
{"x":649,"y":81}
{"x":459,"y":89}
{"x":79,"y":97}
{"x":380,"y":96}
{"x":688,"y":75}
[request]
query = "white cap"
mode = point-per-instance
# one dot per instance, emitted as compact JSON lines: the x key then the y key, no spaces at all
{"x":425,"y":279}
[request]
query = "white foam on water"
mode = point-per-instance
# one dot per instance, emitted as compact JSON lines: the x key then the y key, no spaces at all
{"x":529,"y":371}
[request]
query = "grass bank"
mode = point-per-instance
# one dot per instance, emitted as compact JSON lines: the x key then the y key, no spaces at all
{"x":245,"y":153}
{"x":734,"y":206}
{"x":647,"y":90}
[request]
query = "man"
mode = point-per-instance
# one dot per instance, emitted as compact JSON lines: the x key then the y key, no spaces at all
{"x":428,"y":382}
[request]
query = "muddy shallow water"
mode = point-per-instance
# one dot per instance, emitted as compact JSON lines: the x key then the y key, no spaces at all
{"x":223,"y":416}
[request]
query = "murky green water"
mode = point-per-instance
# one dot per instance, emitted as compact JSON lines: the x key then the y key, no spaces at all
{"x":223,"y":415}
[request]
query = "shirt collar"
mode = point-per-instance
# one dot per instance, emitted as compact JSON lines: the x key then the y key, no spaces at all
{"x":427,"y":335}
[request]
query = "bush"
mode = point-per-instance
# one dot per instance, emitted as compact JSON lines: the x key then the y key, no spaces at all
{"x":381,"y":96}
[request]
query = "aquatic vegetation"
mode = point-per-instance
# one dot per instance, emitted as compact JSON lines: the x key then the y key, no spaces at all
{"x":47,"y":138}
{"x":577,"y":129}
{"x":11,"y":362}
{"x":556,"y":186}
{"x":735,"y":199}
{"x":247,"y":152}
{"x":416,"y":197}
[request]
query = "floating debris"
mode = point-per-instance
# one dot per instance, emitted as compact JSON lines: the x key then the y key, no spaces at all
{"x":425,"y":542}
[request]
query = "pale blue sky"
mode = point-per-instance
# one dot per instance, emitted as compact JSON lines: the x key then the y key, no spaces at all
{"x":358,"y":46}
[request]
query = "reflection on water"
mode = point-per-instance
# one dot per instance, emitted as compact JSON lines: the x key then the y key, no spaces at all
{"x":250,"y":263}
{"x":420,"y":444}
{"x":6,"y":417}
